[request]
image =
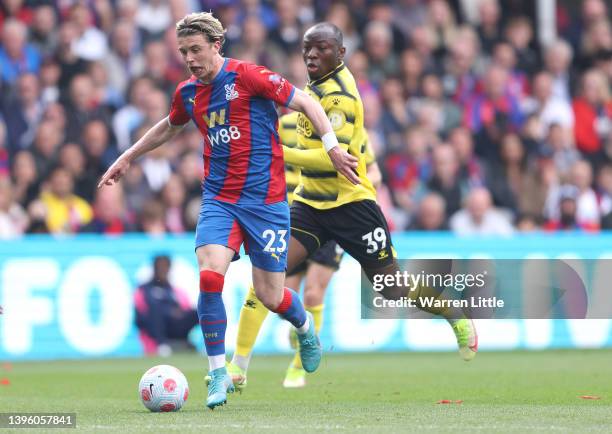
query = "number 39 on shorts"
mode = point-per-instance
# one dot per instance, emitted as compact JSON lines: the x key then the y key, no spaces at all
{"x":373,"y":238}
{"x":276,"y":241}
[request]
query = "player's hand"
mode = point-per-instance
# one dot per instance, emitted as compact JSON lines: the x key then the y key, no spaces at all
{"x":344,"y":163}
{"x":115,"y":172}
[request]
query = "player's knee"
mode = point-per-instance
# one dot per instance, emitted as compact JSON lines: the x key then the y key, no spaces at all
{"x":270,"y":299}
{"x":313,"y":295}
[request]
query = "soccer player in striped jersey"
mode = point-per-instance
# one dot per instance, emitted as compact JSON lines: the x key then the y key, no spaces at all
{"x":244,"y":199}
{"x":329,"y":207}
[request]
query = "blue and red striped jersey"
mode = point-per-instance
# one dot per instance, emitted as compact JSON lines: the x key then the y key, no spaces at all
{"x":236,"y":114}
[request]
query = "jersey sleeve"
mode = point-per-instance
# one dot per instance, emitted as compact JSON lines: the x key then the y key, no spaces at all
{"x":340,"y":109}
{"x":178,"y":115}
{"x":268,"y":84}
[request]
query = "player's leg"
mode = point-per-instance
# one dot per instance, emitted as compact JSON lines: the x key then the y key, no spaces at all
{"x":252,"y":315}
{"x":321,"y":267}
{"x":369,"y":242}
{"x":213,"y":261}
{"x":317,"y":278}
{"x":463,"y":327}
{"x":267,"y":232}
{"x":218,"y":239}
{"x":284,"y":301}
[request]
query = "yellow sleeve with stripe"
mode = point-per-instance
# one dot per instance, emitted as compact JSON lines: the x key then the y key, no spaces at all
{"x":342,"y":119}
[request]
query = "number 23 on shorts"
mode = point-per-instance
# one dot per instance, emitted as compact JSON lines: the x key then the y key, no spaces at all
{"x":276,"y":241}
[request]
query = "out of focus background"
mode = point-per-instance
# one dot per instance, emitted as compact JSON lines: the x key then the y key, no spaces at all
{"x":489,"y":119}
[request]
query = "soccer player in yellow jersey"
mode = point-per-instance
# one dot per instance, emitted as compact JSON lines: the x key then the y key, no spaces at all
{"x":316,"y":272}
{"x":327,"y":206}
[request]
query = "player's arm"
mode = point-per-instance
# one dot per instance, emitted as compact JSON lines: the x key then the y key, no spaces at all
{"x":341,"y":160}
{"x":374,"y":174}
{"x":160,"y":133}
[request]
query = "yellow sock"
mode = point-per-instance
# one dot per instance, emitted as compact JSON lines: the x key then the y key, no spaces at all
{"x":252,"y":316}
{"x":317,"y":314}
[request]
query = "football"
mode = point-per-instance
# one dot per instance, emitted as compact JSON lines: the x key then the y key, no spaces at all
{"x":163,"y":388}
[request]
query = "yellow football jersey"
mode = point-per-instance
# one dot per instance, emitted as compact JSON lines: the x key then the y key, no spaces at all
{"x":321,"y":186}
{"x":288,"y":137}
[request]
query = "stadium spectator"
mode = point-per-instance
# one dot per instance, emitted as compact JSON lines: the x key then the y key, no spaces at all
{"x":567,"y":212}
{"x":558,"y":62}
{"x":478,"y":217}
{"x":382,"y":12}
{"x":547,"y":108}
{"x":104,"y":92}
{"x":604,"y":193}
{"x":518,"y":83}
{"x":23,"y":112}
{"x":378,"y":44}
{"x":339,"y":14}
{"x":4,"y":154}
{"x":157,"y":66}
{"x":15,"y":9}
{"x":17,"y":56}
{"x":460,"y":78}
{"x":153,"y":17}
{"x":561,"y":148}
{"x":173,"y":198}
{"x":593,"y":112}
{"x":287,"y":34}
{"x":587,"y":207}
{"x":83,"y":107}
{"x":471,"y":168}
{"x":152,"y":218}
{"x":164,"y":314}
{"x":70,"y":62}
{"x":127,"y":119}
{"x":96,"y":142}
{"x":42,"y":33}
{"x":13,"y":218}
{"x":448,"y":113}
{"x":519,"y":33}
{"x":394,"y":117}
{"x":124,"y":61}
{"x":110,"y":216}
{"x":46,"y":147}
{"x":50,"y":73}
{"x":91,"y":43}
{"x":431,"y":214}
{"x":445,"y":178}
{"x":72,"y":158}
{"x":432,"y":70}
{"x":25,"y":178}
{"x":255,"y":47}
{"x":66,"y":212}
{"x":494,"y":112}
{"x":489,"y":27}
{"x":513,"y":181}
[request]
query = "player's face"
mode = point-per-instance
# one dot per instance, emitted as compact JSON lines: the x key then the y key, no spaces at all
{"x":321,"y":53}
{"x":199,"y":54}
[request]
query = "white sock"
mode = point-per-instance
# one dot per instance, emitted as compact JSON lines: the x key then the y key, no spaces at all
{"x":302,"y":330}
{"x":241,"y":361}
{"x":216,"y":362}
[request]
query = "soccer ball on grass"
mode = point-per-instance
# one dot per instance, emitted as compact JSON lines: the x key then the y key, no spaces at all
{"x":163,"y":388}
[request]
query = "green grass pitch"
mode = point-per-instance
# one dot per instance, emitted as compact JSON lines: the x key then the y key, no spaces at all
{"x":501,"y":392}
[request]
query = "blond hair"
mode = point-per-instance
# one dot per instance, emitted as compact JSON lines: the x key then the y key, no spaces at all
{"x":201,"y":22}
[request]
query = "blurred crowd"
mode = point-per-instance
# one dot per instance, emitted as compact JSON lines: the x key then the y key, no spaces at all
{"x":478,"y":127}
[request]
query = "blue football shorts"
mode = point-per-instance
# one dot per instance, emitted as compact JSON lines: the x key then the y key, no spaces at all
{"x":263,"y":228}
